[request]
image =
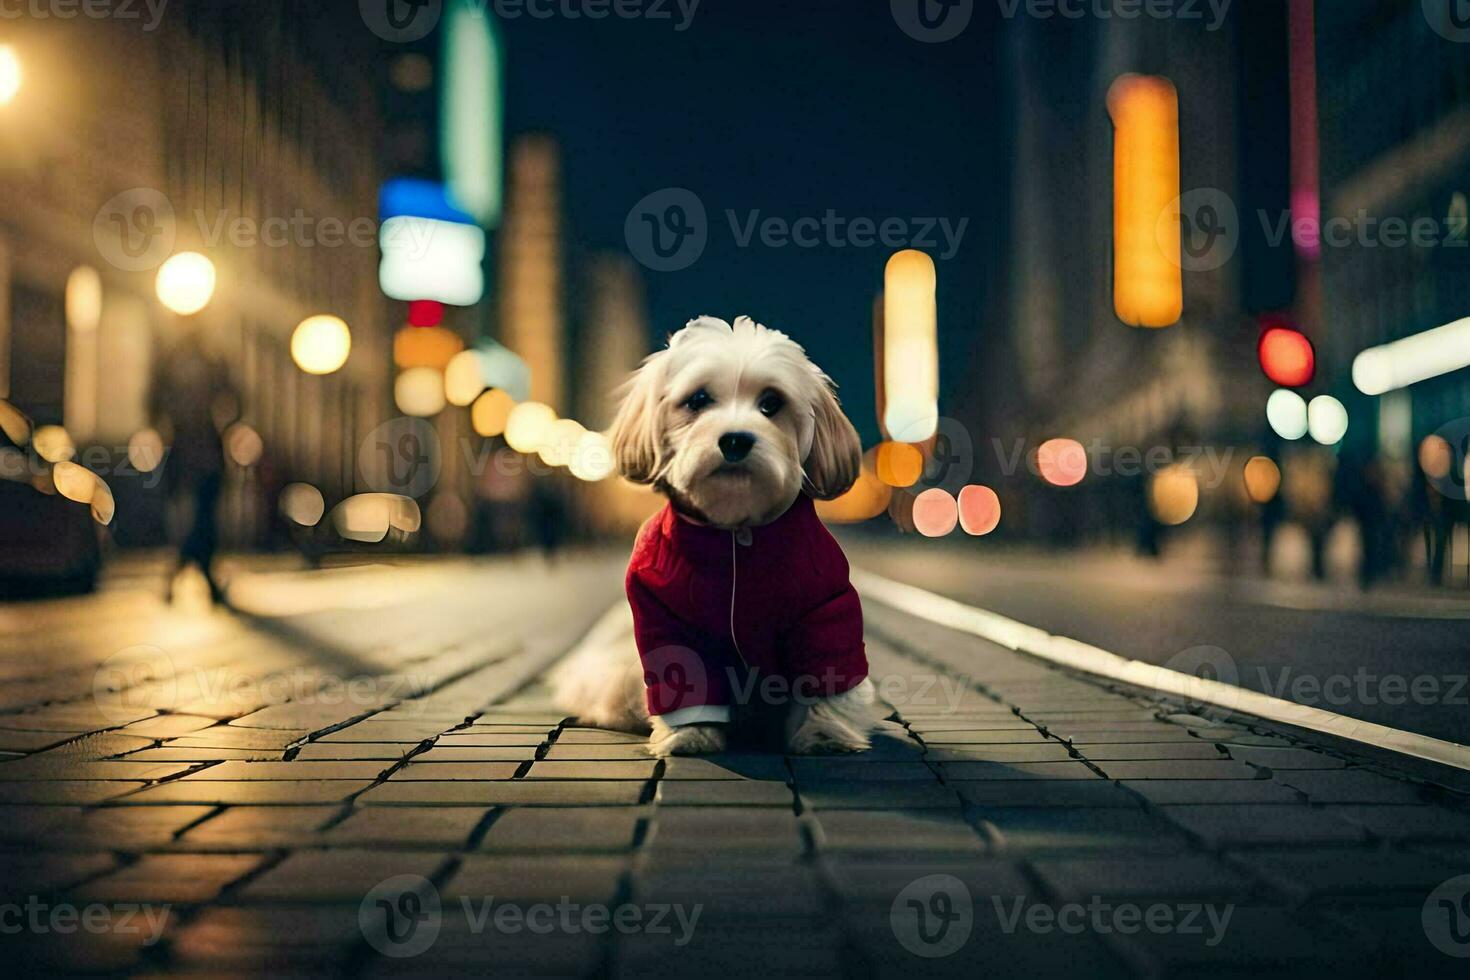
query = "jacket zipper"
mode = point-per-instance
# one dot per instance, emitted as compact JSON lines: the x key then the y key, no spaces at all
{"x":734,"y":578}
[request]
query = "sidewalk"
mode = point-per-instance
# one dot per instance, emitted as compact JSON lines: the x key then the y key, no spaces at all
{"x":382,"y":787}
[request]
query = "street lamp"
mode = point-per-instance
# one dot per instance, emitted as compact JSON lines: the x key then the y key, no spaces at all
{"x":186,"y":283}
{"x":10,"y":74}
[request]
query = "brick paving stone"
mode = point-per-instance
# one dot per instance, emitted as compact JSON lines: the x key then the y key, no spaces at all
{"x":73,"y":718}
{"x":497,"y":740}
{"x":1113,"y":736}
{"x":27,"y":874}
{"x":1284,"y":759}
{"x":1406,"y":822}
{"x":344,"y":875}
{"x":230,"y":737}
{"x":113,"y":951}
{"x":169,"y":879}
{"x":1036,"y":829}
{"x":251,"y":827}
{"x":728,"y":891}
{"x":1163,"y":792}
{"x":1013,"y":736}
{"x":64,"y":791}
{"x":1387,"y":941}
{"x":876,"y":795}
{"x":513,"y":879}
{"x":355,"y":751}
{"x":468,"y":946}
{"x":559,"y":752}
{"x":1239,"y":825}
{"x":267,"y":940}
{"x":14,"y":741}
{"x":1126,"y":751}
{"x":280,"y":792}
{"x":100,"y":745}
{"x":439,"y":771}
{"x":438,"y":754}
{"x":713,"y":830}
{"x":1030,"y":752}
{"x":37,"y":768}
{"x":1182,"y":876}
{"x":387,"y":731}
{"x":581,"y":829}
{"x":836,"y":769}
{"x":1365,"y":876}
{"x":1045,"y":793}
{"x":956,"y":731}
{"x":1174,"y":769}
{"x":416,"y":828}
{"x":860,"y":881}
{"x":597,"y":736}
{"x":358,"y":771}
{"x":1071,"y":769}
{"x":723,"y":792}
{"x":1253,"y":941}
{"x":188,"y":755}
{"x":902,"y":831}
{"x":615,"y":769}
{"x":727,"y":766}
{"x":168,"y":726}
{"x":517,"y":792}
{"x":757,"y":948}
{"x":130,"y":828}
{"x":1352,"y":786}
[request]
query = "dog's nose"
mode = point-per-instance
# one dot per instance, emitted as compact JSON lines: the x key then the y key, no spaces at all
{"x":736,"y":445}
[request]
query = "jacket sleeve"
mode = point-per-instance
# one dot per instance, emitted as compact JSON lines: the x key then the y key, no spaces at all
{"x":825,"y":650}
{"x":682,"y":671}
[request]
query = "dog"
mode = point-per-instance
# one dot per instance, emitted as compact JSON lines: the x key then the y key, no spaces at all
{"x":741,"y":621}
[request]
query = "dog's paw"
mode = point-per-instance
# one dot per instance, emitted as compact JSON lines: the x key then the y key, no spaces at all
{"x":686,"y":740}
{"x":823,"y":735}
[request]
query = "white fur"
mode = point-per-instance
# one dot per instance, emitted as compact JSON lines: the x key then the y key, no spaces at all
{"x":808,"y":443}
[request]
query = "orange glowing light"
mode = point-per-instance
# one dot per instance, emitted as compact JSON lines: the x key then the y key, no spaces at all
{"x":935,"y":513}
{"x":1287,"y":357}
{"x":1062,"y":462}
{"x":1436,"y":456}
{"x":911,"y":347}
{"x":430,"y":347}
{"x":491,"y":411}
{"x":979,"y":510}
{"x":1262,"y":479}
{"x":867,"y":499}
{"x":1148,"y":281}
{"x":899,"y":464}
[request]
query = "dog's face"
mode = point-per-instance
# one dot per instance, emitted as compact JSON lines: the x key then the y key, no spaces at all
{"x":731,"y":422}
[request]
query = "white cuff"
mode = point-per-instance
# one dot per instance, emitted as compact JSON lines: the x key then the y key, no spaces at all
{"x":699,"y":714}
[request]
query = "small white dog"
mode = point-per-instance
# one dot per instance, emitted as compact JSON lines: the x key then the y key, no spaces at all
{"x":743,"y":619}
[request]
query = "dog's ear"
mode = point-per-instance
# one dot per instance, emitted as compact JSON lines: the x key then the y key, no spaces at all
{"x":836,"y":455}
{"x":637,"y":437}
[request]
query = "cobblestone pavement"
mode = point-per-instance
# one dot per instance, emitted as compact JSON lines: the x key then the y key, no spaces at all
{"x":371,"y":780}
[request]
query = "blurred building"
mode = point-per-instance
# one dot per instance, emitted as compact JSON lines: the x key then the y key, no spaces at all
{"x":1396,"y":145}
{"x":1080,"y":372}
{"x":242,"y":129}
{"x":532,"y":300}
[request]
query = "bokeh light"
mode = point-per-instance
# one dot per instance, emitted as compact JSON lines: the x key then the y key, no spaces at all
{"x":528,"y":425}
{"x":321,"y":344}
{"x":491,"y":412}
{"x":899,"y":464}
{"x":979,"y":509}
{"x":10,"y":74}
{"x":866,"y":499}
{"x":560,"y":442}
{"x":1062,"y":462}
{"x":910,"y":347}
{"x":432,"y":347}
{"x":1286,"y":411}
{"x":145,"y":450}
{"x":84,"y":299}
{"x":448,"y":518}
{"x":1262,"y":479}
{"x":74,"y":482}
{"x":1436,"y":457}
{"x":935,"y":513}
{"x":186,"y":283}
{"x":1327,"y":420}
{"x":1287,"y":357}
{"x":303,"y":504}
{"x":464,"y":378}
{"x":243,"y":445}
{"x":53,"y":444}
{"x":593,"y":460}
{"x":1148,"y":278}
{"x":419,"y":392}
{"x":369,"y":517}
{"x":1173,"y":495}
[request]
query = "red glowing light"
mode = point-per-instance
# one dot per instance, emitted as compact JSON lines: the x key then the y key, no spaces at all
{"x":1287,"y":357}
{"x":1062,"y":462}
{"x":979,"y":510}
{"x":425,"y":313}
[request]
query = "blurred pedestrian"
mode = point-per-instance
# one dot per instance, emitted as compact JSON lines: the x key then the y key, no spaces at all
{"x":193,"y":401}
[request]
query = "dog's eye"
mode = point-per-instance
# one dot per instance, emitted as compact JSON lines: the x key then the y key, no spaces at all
{"x":771,"y":403}
{"x":698,"y":401}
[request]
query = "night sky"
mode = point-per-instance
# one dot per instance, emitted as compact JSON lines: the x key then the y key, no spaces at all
{"x":791,"y":109}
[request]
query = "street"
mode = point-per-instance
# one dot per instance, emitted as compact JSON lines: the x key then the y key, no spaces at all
{"x":362,"y":773}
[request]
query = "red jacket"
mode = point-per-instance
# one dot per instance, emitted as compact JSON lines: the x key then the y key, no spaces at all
{"x":714,"y":608}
